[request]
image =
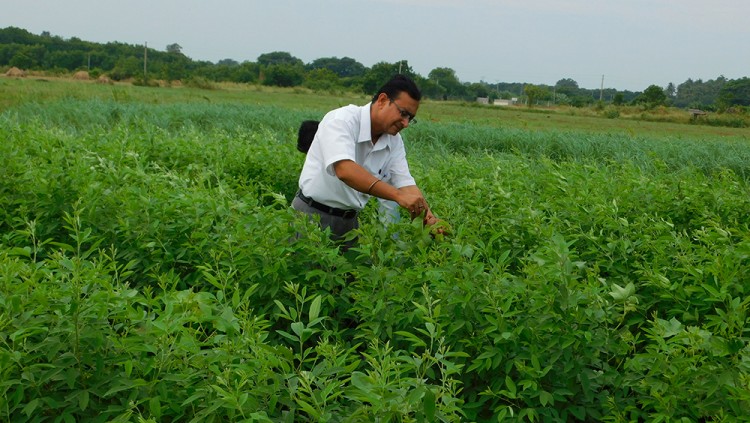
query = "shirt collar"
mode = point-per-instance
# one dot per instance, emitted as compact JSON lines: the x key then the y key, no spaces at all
{"x":365,"y":130}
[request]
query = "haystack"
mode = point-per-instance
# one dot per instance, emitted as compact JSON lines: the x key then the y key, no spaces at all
{"x":103,"y":79}
{"x":81,"y":75}
{"x":14,"y":71}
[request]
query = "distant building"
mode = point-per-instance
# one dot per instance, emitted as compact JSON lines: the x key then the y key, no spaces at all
{"x":505,"y":102}
{"x":483,"y":100}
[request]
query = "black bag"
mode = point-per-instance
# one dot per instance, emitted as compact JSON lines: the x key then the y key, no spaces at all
{"x":306,"y":134}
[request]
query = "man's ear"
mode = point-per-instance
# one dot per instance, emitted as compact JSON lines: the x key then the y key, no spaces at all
{"x":382,"y":99}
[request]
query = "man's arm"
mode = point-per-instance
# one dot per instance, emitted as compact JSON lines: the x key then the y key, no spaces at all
{"x":360,"y":179}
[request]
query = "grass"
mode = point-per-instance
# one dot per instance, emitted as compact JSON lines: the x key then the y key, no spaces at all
{"x":633,"y":122}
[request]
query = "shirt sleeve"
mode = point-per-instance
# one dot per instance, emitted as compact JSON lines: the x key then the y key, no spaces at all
{"x":400,"y":175}
{"x":337,"y":143}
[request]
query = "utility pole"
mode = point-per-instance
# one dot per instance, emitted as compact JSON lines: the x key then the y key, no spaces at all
{"x":601,"y":90}
{"x":145,"y":61}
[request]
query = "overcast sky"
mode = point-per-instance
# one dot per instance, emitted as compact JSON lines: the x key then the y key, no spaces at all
{"x":630,"y":44}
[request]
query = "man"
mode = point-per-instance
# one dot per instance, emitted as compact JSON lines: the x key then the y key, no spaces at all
{"x":354,"y":152}
{"x":387,"y":209}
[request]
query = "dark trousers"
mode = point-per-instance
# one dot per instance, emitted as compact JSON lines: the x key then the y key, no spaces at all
{"x":340,"y":226}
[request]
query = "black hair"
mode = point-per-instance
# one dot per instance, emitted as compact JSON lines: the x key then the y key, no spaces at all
{"x":398,"y":84}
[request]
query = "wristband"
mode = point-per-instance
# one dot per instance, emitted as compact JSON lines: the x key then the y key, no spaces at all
{"x":372,"y":185}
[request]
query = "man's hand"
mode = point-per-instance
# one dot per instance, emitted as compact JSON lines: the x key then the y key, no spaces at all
{"x":438,"y":228}
{"x":430,"y":219}
{"x":414,"y":203}
{"x":411,"y":198}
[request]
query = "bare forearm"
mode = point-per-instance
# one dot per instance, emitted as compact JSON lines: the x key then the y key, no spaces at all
{"x":360,"y":179}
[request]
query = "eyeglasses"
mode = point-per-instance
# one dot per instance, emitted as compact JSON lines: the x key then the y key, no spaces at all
{"x":404,"y":113}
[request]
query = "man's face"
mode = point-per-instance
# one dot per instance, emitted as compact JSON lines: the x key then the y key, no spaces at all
{"x":397,"y":113}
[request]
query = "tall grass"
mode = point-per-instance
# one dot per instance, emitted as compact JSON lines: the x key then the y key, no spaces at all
{"x":709,"y":154}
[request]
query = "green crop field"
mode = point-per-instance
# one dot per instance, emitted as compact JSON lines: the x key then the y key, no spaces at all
{"x":150,"y":270}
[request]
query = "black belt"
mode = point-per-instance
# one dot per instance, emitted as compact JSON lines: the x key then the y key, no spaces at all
{"x":346,"y":214}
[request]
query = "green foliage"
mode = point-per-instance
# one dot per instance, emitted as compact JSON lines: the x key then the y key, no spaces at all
{"x":382,"y":72}
{"x":735,"y":93}
{"x":57,"y":56}
{"x":152,"y":270}
{"x":652,"y":97}
{"x":278,"y":58}
{"x":322,"y":80}
{"x":447,"y":79}
{"x":699,"y":94}
{"x":346,"y":67}
{"x":535,"y":93}
{"x":283,"y":75}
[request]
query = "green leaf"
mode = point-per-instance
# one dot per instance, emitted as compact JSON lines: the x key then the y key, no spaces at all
{"x":16,"y":251}
{"x":362,"y":381}
{"x":511,"y":387}
{"x":413,"y":338}
{"x":315,"y":308}
{"x":154,"y":406}
{"x":288,"y":336}
{"x":430,"y":328}
{"x":30,"y":407}
{"x":193,"y":398}
{"x":281,"y":307}
{"x":621,"y":294}
{"x":298,"y":328}
{"x":429,"y":405}
{"x":545,"y":398}
{"x":671,"y":327}
{"x":83,"y":400}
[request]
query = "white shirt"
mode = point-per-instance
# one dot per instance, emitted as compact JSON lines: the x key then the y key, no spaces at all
{"x":345,"y":134}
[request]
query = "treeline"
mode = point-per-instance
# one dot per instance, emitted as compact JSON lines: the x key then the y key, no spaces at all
{"x":119,"y":61}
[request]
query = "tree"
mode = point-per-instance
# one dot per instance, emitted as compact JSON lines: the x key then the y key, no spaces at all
{"x":345,"y":67}
{"x":247,"y":72}
{"x":228,"y":62}
{"x":671,"y":91}
{"x":174,"y":48}
{"x":446,"y":78}
{"x":481,"y":90}
{"x":535,"y":93}
{"x":321,"y":79}
{"x":567,"y":86}
{"x":28,"y":56}
{"x":735,"y":93}
{"x":284,"y":75}
{"x":652,"y":96}
{"x":278,"y":58}
{"x":699,"y":94}
{"x":127,"y":67}
{"x":382,"y":72}
{"x":430,"y":88}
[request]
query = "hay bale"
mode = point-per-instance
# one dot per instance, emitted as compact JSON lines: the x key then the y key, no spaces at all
{"x":15,"y":72}
{"x":81,"y":76}
{"x":104,"y":79}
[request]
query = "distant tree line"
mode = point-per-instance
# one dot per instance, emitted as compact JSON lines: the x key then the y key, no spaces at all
{"x":120,"y":61}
